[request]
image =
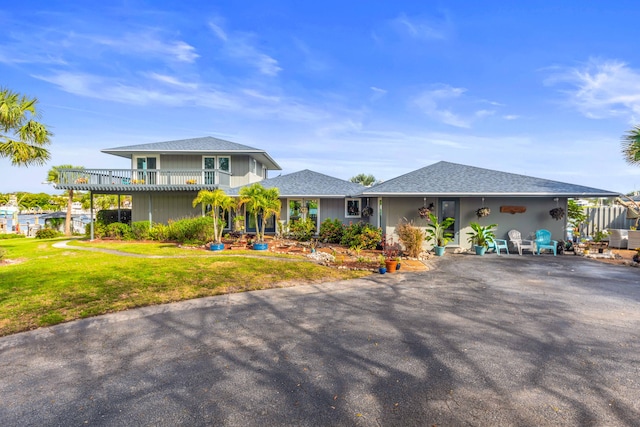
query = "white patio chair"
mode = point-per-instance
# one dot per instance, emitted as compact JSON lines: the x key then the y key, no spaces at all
{"x":516,"y":239}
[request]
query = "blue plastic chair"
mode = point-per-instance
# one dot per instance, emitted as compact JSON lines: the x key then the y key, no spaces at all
{"x":543,"y":241}
{"x":497,"y":244}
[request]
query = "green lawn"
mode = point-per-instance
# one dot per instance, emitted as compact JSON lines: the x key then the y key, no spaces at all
{"x":50,"y":285}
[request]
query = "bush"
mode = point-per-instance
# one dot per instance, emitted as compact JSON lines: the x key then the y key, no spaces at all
{"x":411,"y":238}
{"x":331,"y":231}
{"x":11,"y":236}
{"x":3,"y":253}
{"x":141,"y":230}
{"x":47,"y":233}
{"x":302,"y":229}
{"x":192,"y":230}
{"x":120,"y":231}
{"x":362,"y":235}
{"x":159,"y":232}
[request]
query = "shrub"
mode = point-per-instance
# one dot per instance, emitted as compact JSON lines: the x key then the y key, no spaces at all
{"x":361,"y":235}
{"x":159,"y":232}
{"x":192,"y":230}
{"x":141,"y":230}
{"x":120,"y":231}
{"x":331,"y":231}
{"x":11,"y":236}
{"x":3,"y":252}
{"x":47,"y":233}
{"x":411,"y":238}
{"x":302,"y":229}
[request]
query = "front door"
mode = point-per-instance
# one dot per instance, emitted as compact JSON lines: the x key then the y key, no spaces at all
{"x":449,"y":209}
{"x":147,"y":169}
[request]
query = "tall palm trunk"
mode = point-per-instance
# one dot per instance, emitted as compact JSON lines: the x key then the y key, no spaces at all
{"x":67,"y":223}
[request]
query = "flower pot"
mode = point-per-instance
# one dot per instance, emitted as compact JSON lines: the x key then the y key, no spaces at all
{"x":260,"y":246}
{"x":480,"y":250}
{"x":439,"y":250}
{"x":382,"y":270}
{"x":217,"y":246}
{"x":391,"y":266}
{"x":398,"y":267}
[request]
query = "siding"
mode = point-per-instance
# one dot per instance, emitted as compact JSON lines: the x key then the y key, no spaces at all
{"x":164,"y":206}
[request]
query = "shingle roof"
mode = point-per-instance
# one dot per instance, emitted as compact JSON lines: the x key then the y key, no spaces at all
{"x":452,"y":179}
{"x":307,"y":183}
{"x":203,"y":145}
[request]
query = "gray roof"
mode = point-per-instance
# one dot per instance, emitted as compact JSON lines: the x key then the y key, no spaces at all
{"x":203,"y":145}
{"x":307,"y":183}
{"x":452,"y":179}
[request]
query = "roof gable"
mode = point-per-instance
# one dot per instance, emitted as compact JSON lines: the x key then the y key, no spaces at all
{"x":452,"y":179}
{"x":307,"y":183}
{"x":202,"y":145}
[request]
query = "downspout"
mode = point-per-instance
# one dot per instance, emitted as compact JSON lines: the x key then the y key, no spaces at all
{"x":150,"y":207}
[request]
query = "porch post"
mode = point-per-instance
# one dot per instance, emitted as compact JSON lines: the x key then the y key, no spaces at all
{"x":91,"y":237}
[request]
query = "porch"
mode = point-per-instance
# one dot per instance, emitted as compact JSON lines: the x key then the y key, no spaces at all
{"x":135,"y":180}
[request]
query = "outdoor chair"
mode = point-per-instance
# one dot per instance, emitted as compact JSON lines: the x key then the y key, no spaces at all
{"x":543,"y":241}
{"x":497,"y":244}
{"x":516,"y":240}
{"x":618,"y":238}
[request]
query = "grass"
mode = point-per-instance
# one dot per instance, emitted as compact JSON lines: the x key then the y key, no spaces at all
{"x":50,"y":285}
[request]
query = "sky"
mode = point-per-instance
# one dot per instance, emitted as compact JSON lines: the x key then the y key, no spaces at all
{"x":540,"y":88}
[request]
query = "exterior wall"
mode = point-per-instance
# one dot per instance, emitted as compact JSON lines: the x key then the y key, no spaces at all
{"x":536,"y":216}
{"x":180,"y":162}
{"x":239,"y":171}
{"x":164,"y":206}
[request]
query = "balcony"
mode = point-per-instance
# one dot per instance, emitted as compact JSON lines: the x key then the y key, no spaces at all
{"x":136,"y":180}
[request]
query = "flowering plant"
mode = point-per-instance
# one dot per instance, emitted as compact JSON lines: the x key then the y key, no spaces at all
{"x":483,"y":211}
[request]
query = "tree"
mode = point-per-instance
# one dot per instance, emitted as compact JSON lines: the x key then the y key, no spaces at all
{"x":363,"y":179}
{"x":54,"y":176}
{"x":22,"y":137}
{"x":220,"y":203}
{"x":631,"y":146}
{"x":260,"y":201}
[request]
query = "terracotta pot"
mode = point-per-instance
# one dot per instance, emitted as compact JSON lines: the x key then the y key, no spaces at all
{"x":391,"y":266}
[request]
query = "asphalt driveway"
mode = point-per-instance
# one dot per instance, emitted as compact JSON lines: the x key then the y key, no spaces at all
{"x":477,"y":341}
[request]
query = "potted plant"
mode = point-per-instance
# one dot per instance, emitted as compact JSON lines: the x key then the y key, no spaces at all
{"x":480,"y":236}
{"x":557,"y":213}
{"x":260,"y":202}
{"x":390,"y":251}
{"x":598,"y":237}
{"x":483,"y":211}
{"x":220,"y":204}
{"x":437,"y":232}
{"x":382,"y":267}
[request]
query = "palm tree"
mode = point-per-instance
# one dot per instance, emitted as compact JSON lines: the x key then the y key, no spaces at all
{"x":363,"y":179}
{"x":22,"y":138}
{"x":220,"y":203}
{"x":260,"y":201}
{"x":54,"y":176}
{"x":631,"y":146}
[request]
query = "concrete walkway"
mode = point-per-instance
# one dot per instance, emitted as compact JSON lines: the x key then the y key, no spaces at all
{"x":478,"y":341}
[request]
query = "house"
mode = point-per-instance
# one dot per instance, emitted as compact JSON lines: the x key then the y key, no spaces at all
{"x":165,"y":177}
{"x":315,"y":196}
{"x":458,"y":191}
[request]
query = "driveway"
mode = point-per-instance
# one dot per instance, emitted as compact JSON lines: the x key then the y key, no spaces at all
{"x":476,"y":341}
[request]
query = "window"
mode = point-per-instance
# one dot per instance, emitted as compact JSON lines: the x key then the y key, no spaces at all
{"x":352,"y":208}
{"x":253,"y":166}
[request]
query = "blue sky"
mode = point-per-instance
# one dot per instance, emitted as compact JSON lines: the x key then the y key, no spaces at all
{"x":540,"y":88}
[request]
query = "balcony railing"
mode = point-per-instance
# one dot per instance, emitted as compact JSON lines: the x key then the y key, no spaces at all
{"x":70,"y":178}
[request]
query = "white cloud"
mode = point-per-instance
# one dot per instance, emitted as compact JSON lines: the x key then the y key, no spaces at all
{"x":601,"y":88}
{"x":430,"y":101}
{"x":511,"y":117}
{"x":420,"y":28}
{"x":240,"y":45}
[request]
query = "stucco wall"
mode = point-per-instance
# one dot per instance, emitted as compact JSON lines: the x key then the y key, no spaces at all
{"x":536,"y":215}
